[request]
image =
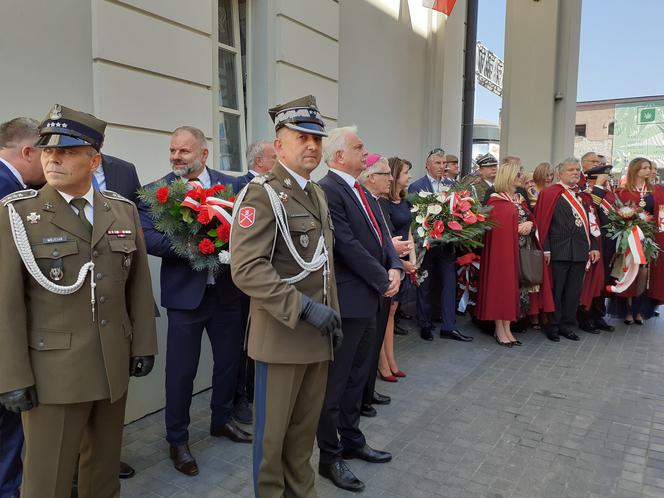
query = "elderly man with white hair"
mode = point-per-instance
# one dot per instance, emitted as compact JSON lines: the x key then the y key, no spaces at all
{"x":367,"y":269}
{"x":570,"y":243}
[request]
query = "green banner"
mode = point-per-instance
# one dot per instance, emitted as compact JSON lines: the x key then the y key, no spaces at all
{"x":638,"y":132}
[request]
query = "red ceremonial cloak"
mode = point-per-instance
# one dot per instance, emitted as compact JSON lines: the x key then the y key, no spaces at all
{"x":498,"y":297}
{"x":594,"y":280}
{"x":656,"y":290}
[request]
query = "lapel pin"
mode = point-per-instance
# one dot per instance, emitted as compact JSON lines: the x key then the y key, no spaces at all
{"x":33,"y":218}
{"x":48,"y":206}
{"x":288,"y":182}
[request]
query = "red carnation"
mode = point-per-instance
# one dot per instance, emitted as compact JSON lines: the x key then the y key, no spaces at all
{"x":162,"y":195}
{"x":206,"y":246}
{"x":231,"y":198}
{"x":203,"y":217}
{"x":223,"y":232}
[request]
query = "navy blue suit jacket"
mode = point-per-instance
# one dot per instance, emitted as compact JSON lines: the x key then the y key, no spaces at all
{"x":8,"y":182}
{"x":243,"y":180}
{"x":181,"y":287}
{"x":421,"y":184}
{"x":121,"y":177}
{"x":360,"y":262}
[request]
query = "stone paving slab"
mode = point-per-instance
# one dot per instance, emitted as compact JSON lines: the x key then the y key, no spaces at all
{"x":569,"y":419}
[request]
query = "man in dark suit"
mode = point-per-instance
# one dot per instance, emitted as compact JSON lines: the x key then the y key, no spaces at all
{"x":117,"y":175}
{"x":439,"y":261}
{"x":261,"y":157}
{"x":196,"y":301}
{"x":367,"y":268}
{"x":20,"y":166}
{"x":563,"y":225}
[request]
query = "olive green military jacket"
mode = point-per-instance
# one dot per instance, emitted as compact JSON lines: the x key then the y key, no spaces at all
{"x":476,"y":186}
{"x":50,"y":340}
{"x":276,"y":333}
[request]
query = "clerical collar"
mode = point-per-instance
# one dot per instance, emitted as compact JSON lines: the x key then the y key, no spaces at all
{"x":89,"y":196}
{"x":301,"y":181}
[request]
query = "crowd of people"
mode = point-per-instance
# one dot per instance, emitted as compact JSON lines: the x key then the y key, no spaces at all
{"x":302,"y":324}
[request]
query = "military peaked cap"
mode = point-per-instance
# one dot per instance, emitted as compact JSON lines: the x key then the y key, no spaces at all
{"x":64,"y":127}
{"x":300,"y":115}
{"x":487,"y":160}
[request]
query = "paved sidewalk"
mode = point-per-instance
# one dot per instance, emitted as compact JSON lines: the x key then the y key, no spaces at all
{"x":568,"y":419}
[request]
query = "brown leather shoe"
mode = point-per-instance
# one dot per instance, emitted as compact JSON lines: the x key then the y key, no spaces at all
{"x":183,"y":460}
{"x":232,"y":432}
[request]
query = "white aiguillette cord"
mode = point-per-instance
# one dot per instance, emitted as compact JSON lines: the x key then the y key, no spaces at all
{"x":320,"y":258}
{"x":25,"y":251}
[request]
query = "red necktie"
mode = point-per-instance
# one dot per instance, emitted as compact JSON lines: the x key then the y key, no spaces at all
{"x":374,"y":222}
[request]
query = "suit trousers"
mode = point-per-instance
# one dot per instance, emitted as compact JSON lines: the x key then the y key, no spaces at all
{"x":381,"y":324}
{"x":345,"y":385}
{"x":567,"y":283}
{"x":11,"y":443}
{"x":220,"y":315}
{"x":440,"y":262}
{"x":287,"y":403}
{"x":54,"y":435}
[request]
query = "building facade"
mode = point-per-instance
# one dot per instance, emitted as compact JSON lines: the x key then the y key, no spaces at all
{"x":392,"y":67}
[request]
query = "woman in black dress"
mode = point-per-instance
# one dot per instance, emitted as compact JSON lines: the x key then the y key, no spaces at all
{"x":399,"y":213}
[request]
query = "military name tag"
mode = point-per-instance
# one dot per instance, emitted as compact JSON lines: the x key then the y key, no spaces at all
{"x":54,"y":240}
{"x":304,"y":240}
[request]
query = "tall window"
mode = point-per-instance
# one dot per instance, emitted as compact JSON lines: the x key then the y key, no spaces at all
{"x":611,"y":128}
{"x":230,"y":121}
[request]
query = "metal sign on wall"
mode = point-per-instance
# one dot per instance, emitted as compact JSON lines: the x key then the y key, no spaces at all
{"x":489,"y":70}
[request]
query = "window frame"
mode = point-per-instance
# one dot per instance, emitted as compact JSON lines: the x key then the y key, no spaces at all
{"x":218,"y":109}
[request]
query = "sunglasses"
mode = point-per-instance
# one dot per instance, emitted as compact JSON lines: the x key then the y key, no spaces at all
{"x":436,"y":152}
{"x":379,"y":173}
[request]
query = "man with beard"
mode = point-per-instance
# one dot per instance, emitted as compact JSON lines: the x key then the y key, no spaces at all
{"x":195,"y":301}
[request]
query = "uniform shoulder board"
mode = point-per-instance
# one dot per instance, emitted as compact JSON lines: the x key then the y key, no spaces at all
{"x":109,"y":194}
{"x":19,"y":196}
{"x":261,"y":179}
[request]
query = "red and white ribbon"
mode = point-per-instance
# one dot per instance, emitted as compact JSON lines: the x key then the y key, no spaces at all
{"x":634,"y":257}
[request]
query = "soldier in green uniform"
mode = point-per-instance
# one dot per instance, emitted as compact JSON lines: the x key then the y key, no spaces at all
{"x":479,"y":183}
{"x":77,"y":314}
{"x":281,"y":257}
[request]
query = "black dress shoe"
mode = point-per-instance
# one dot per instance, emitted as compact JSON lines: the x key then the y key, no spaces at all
{"x":552,"y":335}
{"x":368,"y":411}
{"x":602,"y":325}
{"x":242,"y":411}
{"x":400,"y":330}
{"x":425,"y":333}
{"x":341,"y":476}
{"x":570,"y":335}
{"x":368,"y":454}
{"x":401,"y":315}
{"x":589,"y":327}
{"x":183,"y":459}
{"x":126,"y":471}
{"x":380,"y":399}
{"x":455,"y":335}
{"x":232,"y":432}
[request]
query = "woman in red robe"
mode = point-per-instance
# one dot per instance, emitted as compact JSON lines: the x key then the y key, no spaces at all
{"x":499,"y":292}
{"x":639,"y":191}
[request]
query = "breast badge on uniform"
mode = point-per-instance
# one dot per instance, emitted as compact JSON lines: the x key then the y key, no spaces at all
{"x":33,"y":218}
{"x":247,"y":217}
{"x":126,"y":262}
{"x":57,"y":271}
{"x":304,"y":240}
{"x":283,"y":197}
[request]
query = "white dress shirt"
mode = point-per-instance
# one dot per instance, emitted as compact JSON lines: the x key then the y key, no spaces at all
{"x":89,"y":207}
{"x":14,"y":171}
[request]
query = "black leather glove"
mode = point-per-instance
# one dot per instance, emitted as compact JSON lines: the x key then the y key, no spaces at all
{"x":320,"y":316}
{"x":20,"y":400}
{"x":140,"y":366}
{"x":337,"y":338}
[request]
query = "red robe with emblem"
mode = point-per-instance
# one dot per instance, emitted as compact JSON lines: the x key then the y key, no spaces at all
{"x":656,"y":281}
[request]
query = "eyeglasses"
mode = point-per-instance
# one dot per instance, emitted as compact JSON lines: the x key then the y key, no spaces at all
{"x":436,"y":152}
{"x":387,"y":174}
